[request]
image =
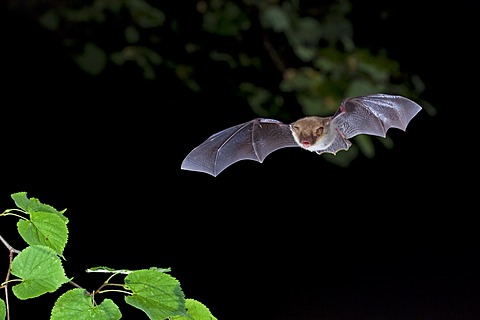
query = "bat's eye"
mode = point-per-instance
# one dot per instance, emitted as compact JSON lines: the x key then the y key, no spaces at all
{"x":296,"y":128}
{"x":319,"y":131}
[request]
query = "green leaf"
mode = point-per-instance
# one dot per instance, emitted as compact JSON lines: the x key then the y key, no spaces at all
{"x":77,"y":304}
{"x":225,"y":18}
{"x":261,"y":100}
{"x":131,"y":34}
{"x":342,"y":158}
{"x":3,"y":310}
{"x":365,"y":144}
{"x":305,"y":53}
{"x":312,"y":104}
{"x":44,"y":228}
{"x":308,"y":31}
{"x":93,"y":59}
{"x":196,"y":311}
{"x":145,"y":15}
{"x":276,"y":18}
{"x":34,"y":205}
{"x":156,"y":293}
{"x":50,"y":20}
{"x":41,"y":271}
{"x":104,"y":269}
{"x":387,"y":142}
{"x":361,"y":87}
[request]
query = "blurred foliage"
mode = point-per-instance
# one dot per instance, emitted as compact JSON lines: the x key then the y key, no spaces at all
{"x":285,"y":58}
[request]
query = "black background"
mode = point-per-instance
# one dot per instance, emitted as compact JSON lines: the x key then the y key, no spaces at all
{"x":394,"y":237}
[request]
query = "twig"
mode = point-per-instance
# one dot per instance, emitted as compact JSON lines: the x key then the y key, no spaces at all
{"x":9,"y":247}
{"x":12,"y":250}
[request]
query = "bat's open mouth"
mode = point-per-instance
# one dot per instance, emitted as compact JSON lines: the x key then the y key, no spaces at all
{"x":306,"y":144}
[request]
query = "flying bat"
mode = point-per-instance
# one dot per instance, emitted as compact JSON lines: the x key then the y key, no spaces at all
{"x":256,"y":139}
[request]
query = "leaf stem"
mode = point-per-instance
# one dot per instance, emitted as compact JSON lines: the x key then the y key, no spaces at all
{"x":113,"y":290}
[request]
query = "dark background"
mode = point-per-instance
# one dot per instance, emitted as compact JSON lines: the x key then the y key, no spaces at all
{"x":393,"y":237}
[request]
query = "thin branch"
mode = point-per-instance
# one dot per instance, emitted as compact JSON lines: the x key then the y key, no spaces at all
{"x":9,"y":247}
{"x":276,"y":59}
{"x":11,"y":250}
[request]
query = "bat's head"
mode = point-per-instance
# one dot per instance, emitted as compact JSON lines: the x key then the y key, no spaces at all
{"x":309,"y":132}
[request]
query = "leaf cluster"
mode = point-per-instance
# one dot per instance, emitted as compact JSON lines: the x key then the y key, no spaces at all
{"x":38,"y":269}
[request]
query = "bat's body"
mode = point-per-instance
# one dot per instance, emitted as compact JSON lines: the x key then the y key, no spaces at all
{"x":256,"y":139}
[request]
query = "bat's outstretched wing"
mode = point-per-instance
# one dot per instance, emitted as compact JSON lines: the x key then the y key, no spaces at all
{"x":253,"y":140}
{"x":374,"y":114}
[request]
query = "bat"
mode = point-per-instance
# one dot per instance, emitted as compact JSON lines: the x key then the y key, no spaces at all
{"x":256,"y":139}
